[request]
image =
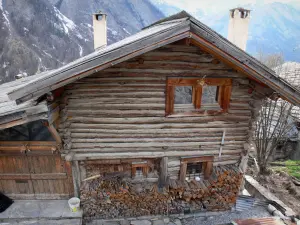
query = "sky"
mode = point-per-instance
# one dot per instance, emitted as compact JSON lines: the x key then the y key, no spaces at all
{"x":216,"y":5}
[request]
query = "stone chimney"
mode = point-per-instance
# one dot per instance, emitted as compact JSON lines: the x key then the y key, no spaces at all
{"x":100,"y":34}
{"x":238,"y":27}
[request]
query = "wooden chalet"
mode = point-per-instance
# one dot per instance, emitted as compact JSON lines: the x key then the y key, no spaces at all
{"x":169,"y":105}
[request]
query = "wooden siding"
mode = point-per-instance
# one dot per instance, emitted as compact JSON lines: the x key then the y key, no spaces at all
{"x":34,"y":176}
{"x":120,"y":112}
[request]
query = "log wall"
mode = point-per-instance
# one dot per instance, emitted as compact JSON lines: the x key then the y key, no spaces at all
{"x":120,"y":112}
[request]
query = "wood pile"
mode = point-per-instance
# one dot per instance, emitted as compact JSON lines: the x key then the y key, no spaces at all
{"x":217,"y":193}
{"x":116,"y":196}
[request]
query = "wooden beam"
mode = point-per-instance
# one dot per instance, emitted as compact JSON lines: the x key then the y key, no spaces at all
{"x":208,"y":169}
{"x":54,"y":134}
{"x":182,"y":174}
{"x":76,"y":178}
{"x":197,"y":159}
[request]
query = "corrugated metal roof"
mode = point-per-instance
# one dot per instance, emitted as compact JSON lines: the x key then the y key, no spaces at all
{"x":10,"y":111}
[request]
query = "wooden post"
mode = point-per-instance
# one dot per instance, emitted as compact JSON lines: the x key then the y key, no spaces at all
{"x":183,"y":168}
{"x":208,"y":169}
{"x":76,"y":178}
{"x":163,"y":171}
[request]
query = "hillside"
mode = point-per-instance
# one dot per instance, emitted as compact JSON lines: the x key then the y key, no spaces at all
{"x":40,"y":35}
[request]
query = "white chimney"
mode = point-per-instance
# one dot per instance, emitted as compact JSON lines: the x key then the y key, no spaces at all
{"x":100,"y":34}
{"x":238,"y":27}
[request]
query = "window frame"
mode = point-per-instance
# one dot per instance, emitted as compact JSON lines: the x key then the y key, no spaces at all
{"x":207,"y":165}
{"x":223,"y":94}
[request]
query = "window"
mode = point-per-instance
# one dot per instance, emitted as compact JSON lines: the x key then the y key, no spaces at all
{"x":139,"y":169}
{"x":194,"y":170}
{"x":193,"y":167}
{"x":192,"y":96}
{"x":32,"y":131}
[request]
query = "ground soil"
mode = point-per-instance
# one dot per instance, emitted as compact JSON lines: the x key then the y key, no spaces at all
{"x":281,"y":185}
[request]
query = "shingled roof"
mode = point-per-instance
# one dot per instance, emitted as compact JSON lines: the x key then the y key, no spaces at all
{"x":163,"y":32}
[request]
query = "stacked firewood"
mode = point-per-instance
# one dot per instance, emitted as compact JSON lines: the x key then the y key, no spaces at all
{"x":117,"y":196}
{"x":219,"y":192}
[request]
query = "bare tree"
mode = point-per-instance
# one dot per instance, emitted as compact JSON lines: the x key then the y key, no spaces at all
{"x":274,"y":123}
{"x":275,"y":119}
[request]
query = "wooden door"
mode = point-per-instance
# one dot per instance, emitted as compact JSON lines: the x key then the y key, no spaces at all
{"x":35,"y":176}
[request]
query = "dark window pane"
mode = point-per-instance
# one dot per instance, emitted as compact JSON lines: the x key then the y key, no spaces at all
{"x":209,"y":95}
{"x":194,"y":170}
{"x":183,"y":94}
{"x":33,"y":131}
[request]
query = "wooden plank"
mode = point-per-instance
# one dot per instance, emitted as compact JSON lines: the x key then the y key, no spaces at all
{"x":49,"y":176}
{"x":15,"y":176}
{"x":194,"y":81}
{"x":197,"y":159}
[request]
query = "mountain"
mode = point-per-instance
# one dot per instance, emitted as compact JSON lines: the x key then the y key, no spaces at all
{"x":39,"y":35}
{"x":273,"y":28}
{"x":124,"y":17}
{"x":35,"y":37}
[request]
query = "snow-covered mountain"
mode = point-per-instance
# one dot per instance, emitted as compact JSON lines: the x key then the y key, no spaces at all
{"x":274,"y":27}
{"x":40,"y":35}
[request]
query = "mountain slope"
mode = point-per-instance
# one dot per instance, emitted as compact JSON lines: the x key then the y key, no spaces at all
{"x":37,"y":36}
{"x":125,"y":17}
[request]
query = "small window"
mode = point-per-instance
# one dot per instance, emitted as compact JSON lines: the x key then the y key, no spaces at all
{"x":139,"y":170}
{"x":194,"y":171}
{"x":193,"y":168}
{"x":195,"y":96}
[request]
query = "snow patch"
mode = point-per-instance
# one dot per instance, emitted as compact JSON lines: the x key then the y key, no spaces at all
{"x":25,"y":29}
{"x":126,"y":31}
{"x":1,"y":5}
{"x":79,"y":36}
{"x":80,"y":50}
{"x":5,"y":64}
{"x":47,"y":54}
{"x":66,"y":22}
{"x":114,"y":32}
{"x":6,"y":18}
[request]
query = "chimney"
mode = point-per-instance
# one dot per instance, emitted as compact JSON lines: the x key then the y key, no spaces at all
{"x":238,"y":27}
{"x":100,"y":35}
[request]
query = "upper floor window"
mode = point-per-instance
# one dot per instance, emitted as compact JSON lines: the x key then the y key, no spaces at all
{"x":194,"y":96}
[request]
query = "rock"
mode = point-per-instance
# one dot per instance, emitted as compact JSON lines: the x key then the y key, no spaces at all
{"x":140,"y":222}
{"x":177,"y":222}
{"x":271,"y":208}
{"x":166,"y":220}
{"x":158,"y":222}
{"x":124,"y":222}
{"x":279,"y":214}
